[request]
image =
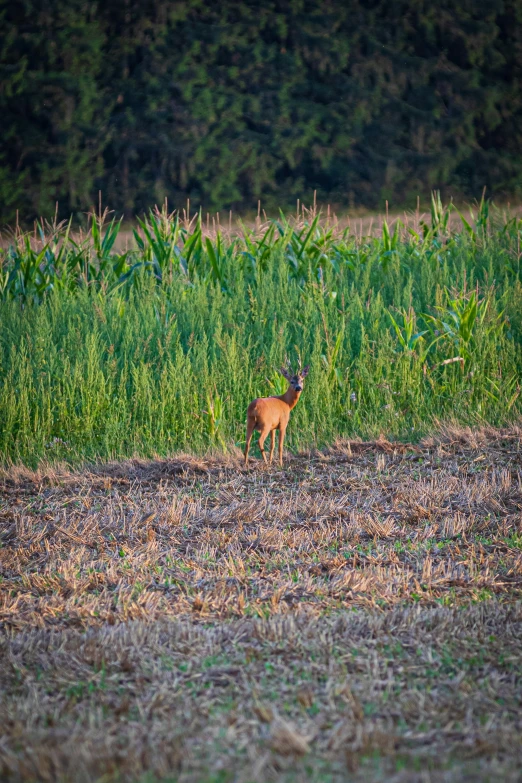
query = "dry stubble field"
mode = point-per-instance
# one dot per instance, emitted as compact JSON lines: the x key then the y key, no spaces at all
{"x":354,"y":616}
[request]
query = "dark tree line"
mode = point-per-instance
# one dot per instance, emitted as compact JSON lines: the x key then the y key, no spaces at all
{"x":225,"y":103}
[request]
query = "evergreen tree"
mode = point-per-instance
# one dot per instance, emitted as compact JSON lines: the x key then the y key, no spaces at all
{"x":226,"y":103}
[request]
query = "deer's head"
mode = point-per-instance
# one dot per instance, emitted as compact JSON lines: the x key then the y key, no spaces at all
{"x":296,"y":380}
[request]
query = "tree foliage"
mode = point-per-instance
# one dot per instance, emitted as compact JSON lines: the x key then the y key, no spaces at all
{"x":225,"y":103}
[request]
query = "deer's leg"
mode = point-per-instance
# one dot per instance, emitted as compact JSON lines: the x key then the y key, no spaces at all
{"x":281,"y":441}
{"x":262,"y":439}
{"x":272,"y":445}
{"x":250,"y":429}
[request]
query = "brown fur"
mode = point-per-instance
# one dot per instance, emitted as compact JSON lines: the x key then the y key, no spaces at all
{"x":268,"y":414}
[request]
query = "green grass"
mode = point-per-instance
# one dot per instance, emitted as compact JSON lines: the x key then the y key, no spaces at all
{"x":106,"y":354}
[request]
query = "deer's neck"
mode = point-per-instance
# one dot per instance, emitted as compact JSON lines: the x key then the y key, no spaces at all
{"x":291,"y":397}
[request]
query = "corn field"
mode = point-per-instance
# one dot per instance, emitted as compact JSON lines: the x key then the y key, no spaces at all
{"x":108,"y":352}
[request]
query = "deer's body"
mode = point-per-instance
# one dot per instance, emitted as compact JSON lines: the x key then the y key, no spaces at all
{"x":268,"y":414}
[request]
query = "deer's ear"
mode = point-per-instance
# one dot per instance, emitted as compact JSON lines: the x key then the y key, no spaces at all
{"x":305,"y":371}
{"x":285,"y":373}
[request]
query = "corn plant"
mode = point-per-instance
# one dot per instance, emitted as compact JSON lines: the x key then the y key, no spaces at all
{"x":258,"y":251}
{"x":478,"y":229}
{"x":28,"y":276}
{"x":159,"y":244}
{"x":331,"y":360}
{"x":389,"y":246}
{"x":277,"y":384}
{"x":220,"y":259}
{"x":302,"y":252}
{"x":456,"y":322}
{"x":214,"y":418}
{"x":408,"y":338}
{"x":440,"y":216}
{"x":192,"y":255}
{"x":103,"y":236}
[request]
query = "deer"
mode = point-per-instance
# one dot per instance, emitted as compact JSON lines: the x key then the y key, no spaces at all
{"x":268,"y":414}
